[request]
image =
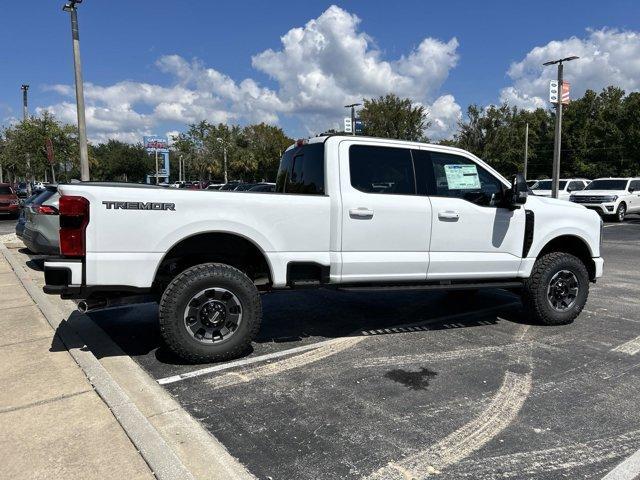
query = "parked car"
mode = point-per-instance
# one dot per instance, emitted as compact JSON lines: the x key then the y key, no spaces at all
{"x":566,"y":186}
{"x":532,"y":183}
{"x":38,"y":187}
{"x":9,"y":202}
{"x":611,"y":197}
{"x":22,"y":218}
{"x":41,"y":230}
{"x":443,"y":220}
{"x":263,"y":187}
{"x":230,"y":185}
{"x":243,"y":187}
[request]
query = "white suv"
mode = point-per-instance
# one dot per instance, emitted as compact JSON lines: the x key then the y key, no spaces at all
{"x":566,"y":186}
{"x":611,"y":197}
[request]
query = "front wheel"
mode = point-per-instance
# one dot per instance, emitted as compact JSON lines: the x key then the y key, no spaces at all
{"x":557,"y":289}
{"x":210,"y":312}
{"x":621,"y":212}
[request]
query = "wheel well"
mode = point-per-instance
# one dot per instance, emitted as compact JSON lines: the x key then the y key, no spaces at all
{"x":574,"y":246}
{"x":218,"y":247}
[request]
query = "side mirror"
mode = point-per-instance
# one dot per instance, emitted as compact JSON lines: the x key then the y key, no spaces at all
{"x":631,"y":189}
{"x":517,"y":194}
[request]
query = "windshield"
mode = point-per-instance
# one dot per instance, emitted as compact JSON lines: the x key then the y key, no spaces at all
{"x":607,"y":185}
{"x":4,"y":190}
{"x":546,"y":185}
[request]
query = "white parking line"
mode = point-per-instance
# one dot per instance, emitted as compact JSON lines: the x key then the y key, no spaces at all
{"x":461,"y":443}
{"x":631,"y":347}
{"x":304,"y":348}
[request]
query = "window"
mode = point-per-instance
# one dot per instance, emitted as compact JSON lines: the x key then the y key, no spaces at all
{"x":458,"y":177}
{"x":575,"y":186}
{"x":548,"y":185}
{"x":607,"y":184}
{"x":302,"y":170}
{"x":381,"y":170}
{"x":635,"y":185}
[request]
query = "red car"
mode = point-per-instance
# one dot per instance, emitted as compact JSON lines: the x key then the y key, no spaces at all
{"x":9,"y":204}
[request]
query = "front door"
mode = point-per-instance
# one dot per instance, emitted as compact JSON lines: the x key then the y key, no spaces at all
{"x":471,"y":237}
{"x":385,"y":224}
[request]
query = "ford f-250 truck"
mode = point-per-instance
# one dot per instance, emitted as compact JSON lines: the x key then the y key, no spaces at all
{"x":348,"y":212}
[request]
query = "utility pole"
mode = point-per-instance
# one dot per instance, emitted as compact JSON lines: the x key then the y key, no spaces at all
{"x":526,"y":148}
{"x":25,"y":117}
{"x":557,"y":145}
{"x":180,"y":168}
{"x":353,"y":116}
{"x":82,"y":127}
{"x":156,"y":149}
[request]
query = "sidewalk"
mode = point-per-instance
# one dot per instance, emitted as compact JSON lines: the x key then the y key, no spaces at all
{"x":52,"y":422}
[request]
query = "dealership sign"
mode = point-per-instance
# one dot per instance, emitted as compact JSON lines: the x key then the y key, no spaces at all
{"x":153,"y":142}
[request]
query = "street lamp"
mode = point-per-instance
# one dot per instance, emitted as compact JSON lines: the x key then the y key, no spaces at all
{"x":353,"y":116}
{"x":558,"y":134}
{"x":224,"y":150}
{"x":70,"y":7}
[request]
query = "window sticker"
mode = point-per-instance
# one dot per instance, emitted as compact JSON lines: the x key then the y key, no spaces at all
{"x":462,"y":177}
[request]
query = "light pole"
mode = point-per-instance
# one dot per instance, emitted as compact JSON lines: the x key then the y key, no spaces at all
{"x":224,"y":151}
{"x":82,"y":127}
{"x":526,"y":149}
{"x":558,"y":134}
{"x":25,"y":116}
{"x":353,"y":116}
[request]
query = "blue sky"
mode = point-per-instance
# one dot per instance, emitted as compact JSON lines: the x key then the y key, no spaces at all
{"x":478,"y":52}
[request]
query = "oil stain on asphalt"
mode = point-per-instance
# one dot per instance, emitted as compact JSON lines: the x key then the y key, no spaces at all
{"x":413,"y":380}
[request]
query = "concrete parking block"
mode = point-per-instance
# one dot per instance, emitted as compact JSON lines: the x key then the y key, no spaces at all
{"x":20,"y":324}
{"x":75,"y":438}
{"x":38,"y":371}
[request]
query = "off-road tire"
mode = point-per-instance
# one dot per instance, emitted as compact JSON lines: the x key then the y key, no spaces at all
{"x":180,"y":291}
{"x":534,"y":293}
{"x":621,"y":212}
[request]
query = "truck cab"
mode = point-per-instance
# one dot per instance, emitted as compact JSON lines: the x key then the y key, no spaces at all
{"x":347,"y":212}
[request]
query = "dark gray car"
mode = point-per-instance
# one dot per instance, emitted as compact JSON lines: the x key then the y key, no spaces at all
{"x":42,"y":223}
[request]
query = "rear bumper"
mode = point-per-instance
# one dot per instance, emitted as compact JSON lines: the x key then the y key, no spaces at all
{"x":38,"y":243}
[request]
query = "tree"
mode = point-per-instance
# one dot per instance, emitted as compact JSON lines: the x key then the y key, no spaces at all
{"x":264,"y":145}
{"x":116,"y":160}
{"x":393,"y":117}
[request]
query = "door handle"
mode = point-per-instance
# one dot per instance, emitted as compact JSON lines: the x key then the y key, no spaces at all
{"x":361,"y":213}
{"x":448,"y":215}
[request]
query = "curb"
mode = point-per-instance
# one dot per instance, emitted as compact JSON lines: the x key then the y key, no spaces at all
{"x":161,"y":459}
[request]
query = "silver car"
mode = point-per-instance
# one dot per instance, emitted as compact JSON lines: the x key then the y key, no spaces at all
{"x":42,"y":223}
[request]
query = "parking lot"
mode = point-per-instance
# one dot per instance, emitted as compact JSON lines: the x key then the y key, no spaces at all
{"x":398,"y":385}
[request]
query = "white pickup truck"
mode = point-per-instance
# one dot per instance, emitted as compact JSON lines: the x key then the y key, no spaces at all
{"x":348,"y":212}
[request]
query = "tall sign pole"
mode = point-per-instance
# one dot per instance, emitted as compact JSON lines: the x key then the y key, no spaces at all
{"x":82,"y":127}
{"x":353,"y":116}
{"x":558,"y":100}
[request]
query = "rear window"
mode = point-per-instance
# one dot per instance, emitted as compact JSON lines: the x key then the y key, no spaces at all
{"x":44,"y":196}
{"x":548,"y":185}
{"x":302,"y":170}
{"x":5,"y":190}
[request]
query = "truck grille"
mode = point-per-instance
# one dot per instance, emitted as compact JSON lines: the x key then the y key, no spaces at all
{"x":585,"y":199}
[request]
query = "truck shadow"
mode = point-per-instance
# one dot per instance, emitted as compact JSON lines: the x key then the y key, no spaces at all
{"x":301,"y":316}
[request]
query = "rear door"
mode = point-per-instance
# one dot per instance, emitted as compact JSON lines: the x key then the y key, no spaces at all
{"x":471,"y":236}
{"x":634,"y":197}
{"x":385,"y":224}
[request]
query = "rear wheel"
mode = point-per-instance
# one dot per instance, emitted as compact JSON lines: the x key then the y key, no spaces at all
{"x":210,"y":312}
{"x":557,"y":289}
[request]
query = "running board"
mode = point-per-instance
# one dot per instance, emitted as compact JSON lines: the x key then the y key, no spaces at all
{"x":429,"y":286}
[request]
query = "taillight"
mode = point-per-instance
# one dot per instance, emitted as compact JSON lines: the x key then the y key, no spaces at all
{"x":46,"y":210}
{"x":74,"y":218}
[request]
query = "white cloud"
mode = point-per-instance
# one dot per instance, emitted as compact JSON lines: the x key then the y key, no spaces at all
{"x":607,"y":57}
{"x":320,"y":67}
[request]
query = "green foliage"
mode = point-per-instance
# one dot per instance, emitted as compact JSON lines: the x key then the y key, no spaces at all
{"x":119,"y":161}
{"x":600,"y":136}
{"x":394,"y":117}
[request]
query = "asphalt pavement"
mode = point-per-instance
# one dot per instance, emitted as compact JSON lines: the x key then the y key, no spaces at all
{"x":393,"y":385}
{"x":396,"y":385}
{"x":7,"y":225}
